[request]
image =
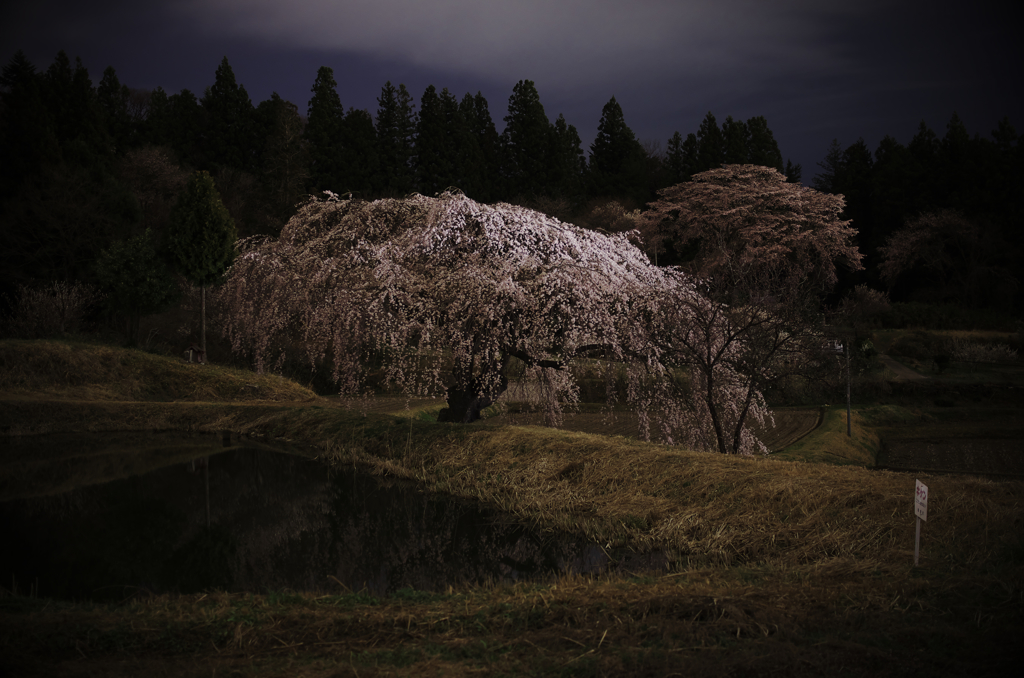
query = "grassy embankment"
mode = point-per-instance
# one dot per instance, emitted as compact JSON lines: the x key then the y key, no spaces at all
{"x":778,"y":565}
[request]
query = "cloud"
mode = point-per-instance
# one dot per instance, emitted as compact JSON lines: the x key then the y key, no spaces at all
{"x":559,"y":41}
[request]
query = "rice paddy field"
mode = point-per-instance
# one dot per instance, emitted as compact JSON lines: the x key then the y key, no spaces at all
{"x":800,"y":563}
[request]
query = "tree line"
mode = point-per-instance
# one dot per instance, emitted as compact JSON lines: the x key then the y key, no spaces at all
{"x":86,"y":166}
{"x":938,"y":219}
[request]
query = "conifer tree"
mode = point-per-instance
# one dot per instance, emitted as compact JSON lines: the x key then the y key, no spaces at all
{"x":434,"y":162}
{"x":136,"y":281}
{"x":324,"y":133}
{"x":77,"y":118}
{"x":674,"y":161}
{"x":829,"y":180}
{"x":568,"y":165}
{"x":284,"y":159}
{"x":202,"y":237}
{"x":736,"y":138}
{"x":361,"y":158}
{"x":396,"y":132}
{"x":616,"y":157}
{"x":710,"y":145}
{"x":763,"y":149}
{"x":793,"y":172}
{"x":691,"y":148}
{"x":28,"y":138}
{"x":185,"y":125}
{"x":113,"y":99}
{"x":483,"y":166}
{"x":230,"y":137}
{"x":462,"y":150}
{"x":525,"y":143}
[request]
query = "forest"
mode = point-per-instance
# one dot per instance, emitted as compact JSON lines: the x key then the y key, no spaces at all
{"x":91,"y":173}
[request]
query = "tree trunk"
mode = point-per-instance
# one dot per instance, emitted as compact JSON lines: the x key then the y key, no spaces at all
{"x":465,"y":402}
{"x":202,"y":325}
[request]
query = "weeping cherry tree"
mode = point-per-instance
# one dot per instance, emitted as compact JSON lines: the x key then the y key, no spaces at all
{"x":442,"y":294}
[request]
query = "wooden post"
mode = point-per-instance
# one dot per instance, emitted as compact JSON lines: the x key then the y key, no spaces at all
{"x":849,"y":416}
{"x":206,"y":482}
{"x":917,"y":541}
{"x":921,"y":511}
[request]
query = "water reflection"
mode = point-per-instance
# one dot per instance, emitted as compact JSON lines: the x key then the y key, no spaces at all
{"x":276,"y":521}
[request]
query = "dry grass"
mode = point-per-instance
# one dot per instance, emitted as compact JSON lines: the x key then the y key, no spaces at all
{"x":705,"y":509}
{"x":829,"y":443}
{"x":830,"y":619}
{"x":79,"y":371}
{"x":803,"y":568}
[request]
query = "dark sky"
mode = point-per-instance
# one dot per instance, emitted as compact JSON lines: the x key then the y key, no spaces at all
{"x":817,"y":70}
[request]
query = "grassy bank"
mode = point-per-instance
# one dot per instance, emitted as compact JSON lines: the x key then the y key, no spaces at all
{"x":802,"y":567}
{"x":96,"y":372}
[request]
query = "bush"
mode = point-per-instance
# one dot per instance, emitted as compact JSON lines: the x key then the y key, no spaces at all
{"x":975,"y":351}
{"x":49,"y":311}
{"x":923,"y":346}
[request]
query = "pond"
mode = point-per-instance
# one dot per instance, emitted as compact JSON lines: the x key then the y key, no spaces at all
{"x":257,"y":520}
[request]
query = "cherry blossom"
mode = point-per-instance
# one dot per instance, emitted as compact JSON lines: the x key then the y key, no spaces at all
{"x":443,"y":294}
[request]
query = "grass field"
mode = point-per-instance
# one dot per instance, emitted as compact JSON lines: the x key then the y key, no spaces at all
{"x":799,"y":564}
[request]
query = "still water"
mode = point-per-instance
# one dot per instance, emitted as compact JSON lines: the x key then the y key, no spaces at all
{"x":276,"y":521}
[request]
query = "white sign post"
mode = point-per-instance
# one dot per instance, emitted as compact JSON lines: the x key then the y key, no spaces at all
{"x":921,"y":511}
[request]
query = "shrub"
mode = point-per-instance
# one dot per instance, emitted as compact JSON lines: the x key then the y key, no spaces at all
{"x":973,"y":351}
{"x":55,"y":309}
{"x":918,"y":345}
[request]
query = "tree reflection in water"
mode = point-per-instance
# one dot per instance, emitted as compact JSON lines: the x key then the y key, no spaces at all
{"x":277,"y":521}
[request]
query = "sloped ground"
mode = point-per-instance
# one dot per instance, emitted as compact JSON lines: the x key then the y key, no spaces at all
{"x":799,"y":569}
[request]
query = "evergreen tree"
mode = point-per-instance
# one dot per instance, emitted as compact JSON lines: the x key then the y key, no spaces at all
{"x":525,"y":143}
{"x":828,"y":181}
{"x":284,"y":160}
{"x":28,"y":138}
{"x":893,"y":195}
{"x":359,"y":152}
{"x":113,"y":99}
{"x":793,"y":172}
{"x":616,"y":157}
{"x":202,"y":237}
{"x":185,"y":124}
{"x":61,"y":201}
{"x":762,"y":147}
{"x":710,"y":145}
{"x":230,"y":134}
{"x":675,"y":162}
{"x":568,"y":164}
{"x":855,"y":185}
{"x":956,"y":174}
{"x":78,"y":121}
{"x":434,"y":162}
{"x":463,"y":151}
{"x":136,"y":281}
{"x":691,"y":150}
{"x":324,"y":134}
{"x":483,"y":165}
{"x":736,"y":138}
{"x":155,"y":128}
{"x":396,"y":132}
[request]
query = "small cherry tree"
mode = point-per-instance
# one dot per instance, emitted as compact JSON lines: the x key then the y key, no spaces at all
{"x":443,"y":293}
{"x":765,"y":251}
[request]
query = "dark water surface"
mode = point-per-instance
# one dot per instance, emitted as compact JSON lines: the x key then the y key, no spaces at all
{"x":276,"y":521}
